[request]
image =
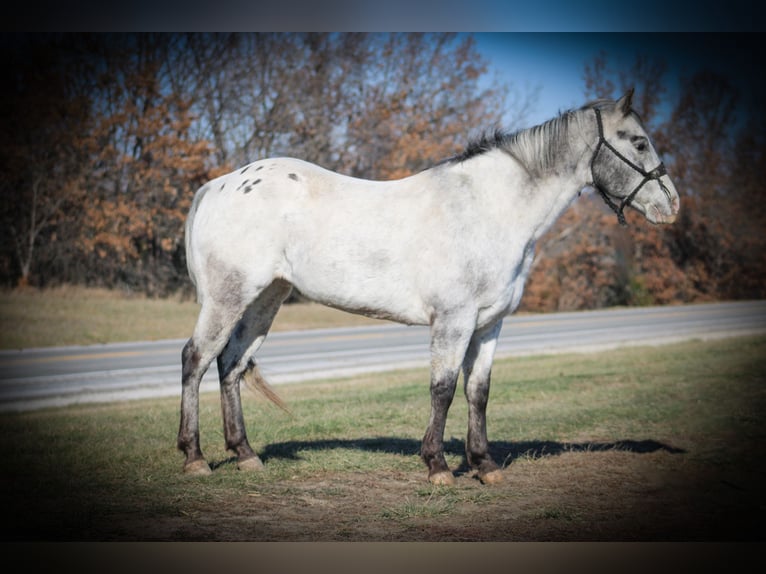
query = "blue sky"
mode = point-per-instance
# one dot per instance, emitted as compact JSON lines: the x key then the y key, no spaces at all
{"x":547,"y":64}
{"x":553,"y":63}
{"x":541,"y":44}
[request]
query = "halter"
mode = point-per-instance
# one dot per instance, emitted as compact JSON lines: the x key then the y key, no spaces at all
{"x":656,"y":173}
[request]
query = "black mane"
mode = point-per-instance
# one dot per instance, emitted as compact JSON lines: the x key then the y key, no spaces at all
{"x":536,"y":148}
{"x":484,"y":143}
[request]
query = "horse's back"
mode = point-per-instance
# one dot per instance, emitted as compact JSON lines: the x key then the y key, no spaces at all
{"x":287,"y":218}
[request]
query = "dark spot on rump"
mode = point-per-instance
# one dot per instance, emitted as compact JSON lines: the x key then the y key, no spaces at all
{"x":259,"y":168}
{"x":248,"y":187}
{"x":244,"y":170}
{"x":292,"y":176}
{"x":222,"y":186}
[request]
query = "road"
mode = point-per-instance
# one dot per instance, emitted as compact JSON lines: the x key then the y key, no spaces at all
{"x":39,"y":378}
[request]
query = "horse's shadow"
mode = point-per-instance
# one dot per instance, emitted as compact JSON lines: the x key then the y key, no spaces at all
{"x":502,"y":451}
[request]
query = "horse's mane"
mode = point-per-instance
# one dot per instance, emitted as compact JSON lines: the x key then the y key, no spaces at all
{"x":537,"y":148}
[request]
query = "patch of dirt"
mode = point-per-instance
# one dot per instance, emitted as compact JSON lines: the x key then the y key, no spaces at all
{"x":574,"y":496}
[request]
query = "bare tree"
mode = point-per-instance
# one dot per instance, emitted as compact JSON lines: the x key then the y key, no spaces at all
{"x":417,"y":103}
{"x":41,"y":150}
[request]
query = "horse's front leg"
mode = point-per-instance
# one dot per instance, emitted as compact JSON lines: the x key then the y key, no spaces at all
{"x":477,"y":367}
{"x":448,"y":346}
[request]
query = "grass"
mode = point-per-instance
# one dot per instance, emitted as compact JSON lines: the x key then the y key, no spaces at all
{"x":636,"y":444}
{"x":80,"y":316}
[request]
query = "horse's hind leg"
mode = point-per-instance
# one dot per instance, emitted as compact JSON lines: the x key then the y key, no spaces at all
{"x":236,"y":359}
{"x":476,"y":374}
{"x":211,"y":333}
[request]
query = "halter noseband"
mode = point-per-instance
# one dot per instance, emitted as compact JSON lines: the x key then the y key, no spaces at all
{"x":656,"y":173}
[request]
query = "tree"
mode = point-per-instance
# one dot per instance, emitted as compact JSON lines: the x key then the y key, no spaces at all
{"x":41,"y":151}
{"x":133,"y":231}
{"x":718,"y":241}
{"x":416,"y":104}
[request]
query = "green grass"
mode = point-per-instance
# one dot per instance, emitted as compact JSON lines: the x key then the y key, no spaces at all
{"x":643,"y":443}
{"x":79,"y":316}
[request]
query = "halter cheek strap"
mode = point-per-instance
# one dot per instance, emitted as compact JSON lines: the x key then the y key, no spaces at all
{"x":656,"y":174}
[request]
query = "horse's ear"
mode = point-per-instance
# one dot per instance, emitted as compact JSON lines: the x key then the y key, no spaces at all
{"x":625,"y":102}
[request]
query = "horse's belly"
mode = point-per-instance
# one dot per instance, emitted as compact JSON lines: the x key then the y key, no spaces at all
{"x":374,"y":287}
{"x":364,"y":298}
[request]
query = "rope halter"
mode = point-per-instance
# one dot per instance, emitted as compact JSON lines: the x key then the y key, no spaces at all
{"x":655,"y":174}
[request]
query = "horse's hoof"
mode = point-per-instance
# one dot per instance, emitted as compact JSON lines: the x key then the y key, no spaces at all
{"x":492,"y":477}
{"x":250,"y":464}
{"x":444,"y":478}
{"x":197,"y":468}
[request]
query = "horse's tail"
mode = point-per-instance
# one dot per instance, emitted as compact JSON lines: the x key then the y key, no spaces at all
{"x":190,"y":263}
{"x":255,"y":381}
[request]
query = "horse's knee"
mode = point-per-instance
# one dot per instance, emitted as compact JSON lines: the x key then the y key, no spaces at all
{"x":443,"y":388}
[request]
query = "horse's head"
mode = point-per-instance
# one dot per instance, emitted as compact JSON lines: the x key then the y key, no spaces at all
{"x":625,"y":167}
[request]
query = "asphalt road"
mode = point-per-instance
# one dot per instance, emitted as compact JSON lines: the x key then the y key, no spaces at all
{"x":39,"y":378}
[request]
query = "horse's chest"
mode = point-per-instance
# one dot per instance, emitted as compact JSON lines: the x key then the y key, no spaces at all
{"x":505,"y":295}
{"x":518,"y":282}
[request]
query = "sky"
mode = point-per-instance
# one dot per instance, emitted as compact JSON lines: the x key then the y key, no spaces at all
{"x":539,"y":45}
{"x":554,"y":63}
{"x":548,"y":65}
{"x":535,"y":44}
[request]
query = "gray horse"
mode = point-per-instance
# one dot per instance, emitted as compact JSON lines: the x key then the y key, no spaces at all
{"x":449,"y":247}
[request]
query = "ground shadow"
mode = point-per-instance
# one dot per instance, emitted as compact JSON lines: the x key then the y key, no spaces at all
{"x":502,"y":451}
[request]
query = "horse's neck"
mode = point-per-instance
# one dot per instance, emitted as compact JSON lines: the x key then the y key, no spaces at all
{"x":552,"y":195}
{"x":533,"y":201}
{"x":561,"y":184}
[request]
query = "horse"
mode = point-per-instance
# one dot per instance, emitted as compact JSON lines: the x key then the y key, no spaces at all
{"x":449,"y":247}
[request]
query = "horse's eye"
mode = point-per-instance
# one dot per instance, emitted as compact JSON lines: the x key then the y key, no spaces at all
{"x":639,"y":143}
